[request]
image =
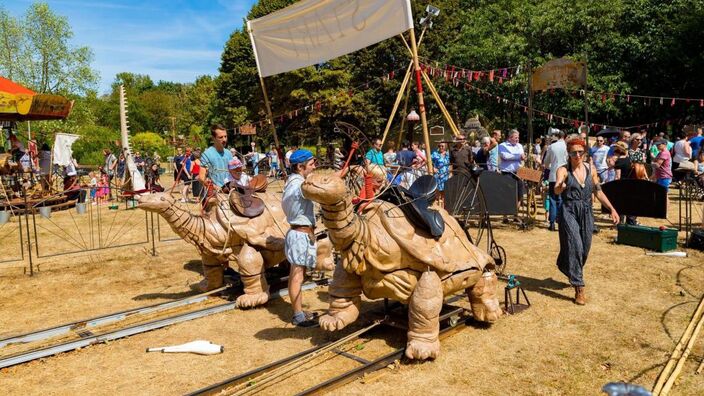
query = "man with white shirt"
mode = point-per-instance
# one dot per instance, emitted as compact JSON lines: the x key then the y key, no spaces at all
{"x":599,"y":153}
{"x":555,"y":158}
{"x":511,"y":154}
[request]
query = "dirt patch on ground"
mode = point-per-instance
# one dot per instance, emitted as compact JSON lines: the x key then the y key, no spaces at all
{"x":638,"y":307}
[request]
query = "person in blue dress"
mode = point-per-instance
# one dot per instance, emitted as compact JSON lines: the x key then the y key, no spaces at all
{"x":441,"y":163}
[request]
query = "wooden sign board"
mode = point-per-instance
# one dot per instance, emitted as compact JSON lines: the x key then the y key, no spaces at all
{"x":248,"y":130}
{"x":559,"y":73}
{"x":437,"y":131}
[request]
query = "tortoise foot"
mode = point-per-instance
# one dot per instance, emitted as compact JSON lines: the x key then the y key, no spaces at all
{"x":483,"y":298}
{"x":252,"y":300}
{"x":422,"y":349}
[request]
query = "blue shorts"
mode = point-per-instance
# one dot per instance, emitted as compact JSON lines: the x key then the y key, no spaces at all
{"x":275,"y":166}
{"x":664,"y":182}
{"x":300,"y":250}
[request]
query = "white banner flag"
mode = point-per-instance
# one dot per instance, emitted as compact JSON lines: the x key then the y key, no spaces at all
{"x":63,"y":152}
{"x":314,"y":31}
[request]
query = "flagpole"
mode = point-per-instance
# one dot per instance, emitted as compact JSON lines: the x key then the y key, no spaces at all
{"x":421,"y":102}
{"x":267,"y":104}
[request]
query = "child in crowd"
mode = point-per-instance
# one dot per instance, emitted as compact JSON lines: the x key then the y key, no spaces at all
{"x":103,"y":190}
{"x":93,"y":184}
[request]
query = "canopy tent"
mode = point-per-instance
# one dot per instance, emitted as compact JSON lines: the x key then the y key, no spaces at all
{"x":18,"y":103}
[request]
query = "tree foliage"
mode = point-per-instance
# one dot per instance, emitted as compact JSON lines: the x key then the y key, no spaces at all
{"x":35,"y":51}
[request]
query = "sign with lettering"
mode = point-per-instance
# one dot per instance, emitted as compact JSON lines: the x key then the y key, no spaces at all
{"x":248,"y":130}
{"x":310,"y":32}
{"x":559,"y":73}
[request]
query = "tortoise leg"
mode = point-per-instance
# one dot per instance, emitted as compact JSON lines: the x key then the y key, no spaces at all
{"x":482,"y":296}
{"x":345,"y":291}
{"x":213,"y":274}
{"x":424,"y":318}
{"x":251,"y":269}
{"x":324,"y":260}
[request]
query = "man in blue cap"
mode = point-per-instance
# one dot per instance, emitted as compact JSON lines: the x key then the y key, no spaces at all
{"x":300,"y":246}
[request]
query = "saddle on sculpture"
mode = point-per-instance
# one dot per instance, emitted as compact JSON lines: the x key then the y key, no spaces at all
{"x":415,"y":203}
{"x":244,"y":202}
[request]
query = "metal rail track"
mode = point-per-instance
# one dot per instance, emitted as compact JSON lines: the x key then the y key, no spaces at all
{"x":248,"y":381}
{"x":89,"y":338}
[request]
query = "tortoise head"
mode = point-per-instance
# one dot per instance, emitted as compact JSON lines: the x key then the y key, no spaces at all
{"x":156,"y":202}
{"x":324,"y":187}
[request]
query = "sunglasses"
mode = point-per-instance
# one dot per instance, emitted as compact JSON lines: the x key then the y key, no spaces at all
{"x":576,"y":153}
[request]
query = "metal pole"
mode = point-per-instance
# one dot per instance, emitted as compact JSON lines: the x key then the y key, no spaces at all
{"x":421,"y":102}
{"x":29,"y":241}
{"x":586,"y":102}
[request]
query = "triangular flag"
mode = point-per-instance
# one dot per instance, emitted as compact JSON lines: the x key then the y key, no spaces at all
{"x":491,"y":76}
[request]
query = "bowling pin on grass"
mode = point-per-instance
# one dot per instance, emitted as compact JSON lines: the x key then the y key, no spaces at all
{"x":200,"y":347}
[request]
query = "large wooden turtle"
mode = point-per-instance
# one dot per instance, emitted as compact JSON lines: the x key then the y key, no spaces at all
{"x":385,"y":256}
{"x":224,"y":236}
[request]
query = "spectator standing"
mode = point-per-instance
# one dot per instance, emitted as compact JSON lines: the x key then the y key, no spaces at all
{"x":197,"y":186}
{"x":482,"y":157}
{"x":109,"y":169}
{"x":273,"y":157}
{"x":139,"y":162}
{"x":254,"y":158}
{"x":555,"y":158}
{"x":120,"y":170}
{"x":461,"y":156}
{"x":681,"y":152}
{"x":287,"y":157}
{"x":599,"y":153}
{"x":186,"y":175}
{"x":662,"y":164}
{"x":476,"y":146}
{"x":441,"y":165}
{"x":178,"y":161}
{"x":420,"y":160}
{"x":374,"y":156}
{"x":493,"y":162}
{"x":696,"y":142}
{"x":390,"y":156}
{"x":511,"y":154}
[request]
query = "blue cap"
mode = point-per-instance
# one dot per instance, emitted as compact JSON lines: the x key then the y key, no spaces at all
{"x":300,"y":156}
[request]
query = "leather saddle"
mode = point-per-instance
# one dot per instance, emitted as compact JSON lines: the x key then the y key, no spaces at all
{"x":415,"y":203}
{"x":243,"y":200}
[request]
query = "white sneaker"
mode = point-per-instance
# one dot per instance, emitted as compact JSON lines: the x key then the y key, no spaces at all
{"x":183,"y":200}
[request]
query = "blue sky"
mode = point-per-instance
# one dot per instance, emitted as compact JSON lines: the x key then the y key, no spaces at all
{"x":173,"y":40}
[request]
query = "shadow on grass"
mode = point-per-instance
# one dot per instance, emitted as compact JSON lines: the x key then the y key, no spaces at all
{"x":545,"y":287}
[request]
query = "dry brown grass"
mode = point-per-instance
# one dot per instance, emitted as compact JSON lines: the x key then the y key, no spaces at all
{"x":637,"y":308}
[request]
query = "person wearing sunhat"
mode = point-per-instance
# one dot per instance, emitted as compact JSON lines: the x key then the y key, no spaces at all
{"x":300,"y":246}
{"x":461,"y":157}
{"x":236,"y":176}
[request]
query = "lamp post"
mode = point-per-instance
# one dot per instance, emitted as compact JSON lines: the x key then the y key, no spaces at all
{"x":412,"y":119}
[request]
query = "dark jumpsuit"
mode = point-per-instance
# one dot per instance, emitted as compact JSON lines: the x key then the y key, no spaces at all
{"x":576,"y":226}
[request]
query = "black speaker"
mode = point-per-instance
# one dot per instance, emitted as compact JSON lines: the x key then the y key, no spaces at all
{"x":696,"y":240}
{"x":499,"y":192}
{"x":633,"y":197}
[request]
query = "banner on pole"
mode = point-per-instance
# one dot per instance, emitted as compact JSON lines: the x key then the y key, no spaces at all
{"x":63,"y":151}
{"x":559,"y":73}
{"x":313,"y":31}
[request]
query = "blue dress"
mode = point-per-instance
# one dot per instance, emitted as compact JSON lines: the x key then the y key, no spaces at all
{"x":441,"y":163}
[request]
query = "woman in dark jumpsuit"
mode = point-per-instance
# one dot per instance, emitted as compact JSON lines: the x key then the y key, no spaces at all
{"x":576,"y":182}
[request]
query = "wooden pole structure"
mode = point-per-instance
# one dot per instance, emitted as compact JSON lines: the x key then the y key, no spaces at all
{"x":586,"y":103}
{"x":401,"y":90}
{"x":403,"y":117}
{"x":421,"y":101}
{"x":530,"y":116}
{"x":441,"y":104}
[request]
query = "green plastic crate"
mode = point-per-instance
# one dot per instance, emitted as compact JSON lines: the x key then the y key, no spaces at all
{"x":647,"y":237}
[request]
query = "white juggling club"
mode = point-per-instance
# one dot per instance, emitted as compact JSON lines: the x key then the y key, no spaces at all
{"x":200,"y":347}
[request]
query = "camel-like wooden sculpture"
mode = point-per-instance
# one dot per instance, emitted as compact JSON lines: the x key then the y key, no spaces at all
{"x":385,"y":256}
{"x":222,"y":236}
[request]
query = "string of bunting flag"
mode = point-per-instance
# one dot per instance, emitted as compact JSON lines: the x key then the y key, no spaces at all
{"x":317,"y":105}
{"x":576,"y":123}
{"x":449,"y":72}
{"x":457,"y":73}
{"x":662,"y":100}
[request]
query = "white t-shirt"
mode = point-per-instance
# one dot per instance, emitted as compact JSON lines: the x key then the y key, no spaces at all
{"x":555,"y":158}
{"x":680,"y":154}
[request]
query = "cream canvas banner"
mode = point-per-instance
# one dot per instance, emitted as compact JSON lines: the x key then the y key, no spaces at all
{"x":63,"y":150}
{"x":314,"y":31}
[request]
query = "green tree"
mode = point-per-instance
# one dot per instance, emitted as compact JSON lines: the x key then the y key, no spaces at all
{"x":37,"y":52}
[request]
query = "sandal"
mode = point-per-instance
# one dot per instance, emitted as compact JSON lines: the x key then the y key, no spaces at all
{"x":310,"y":320}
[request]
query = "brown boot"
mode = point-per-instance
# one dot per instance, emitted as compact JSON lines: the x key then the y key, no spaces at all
{"x":580,"y":297}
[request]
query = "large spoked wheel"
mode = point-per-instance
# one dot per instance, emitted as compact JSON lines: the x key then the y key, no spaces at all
{"x":464,"y":201}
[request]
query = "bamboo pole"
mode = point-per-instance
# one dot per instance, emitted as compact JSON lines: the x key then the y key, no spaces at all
{"x":665,"y":373}
{"x":441,"y":104}
{"x":421,"y":101}
{"x":401,"y":91}
{"x":671,"y":381}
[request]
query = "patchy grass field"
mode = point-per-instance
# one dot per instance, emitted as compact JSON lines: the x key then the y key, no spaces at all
{"x":638,"y":307}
